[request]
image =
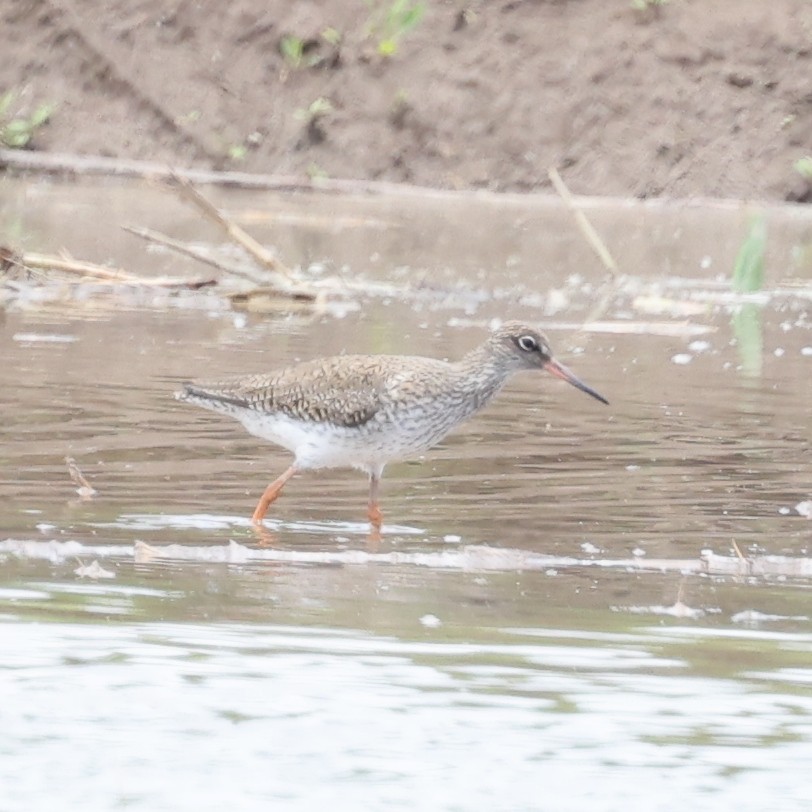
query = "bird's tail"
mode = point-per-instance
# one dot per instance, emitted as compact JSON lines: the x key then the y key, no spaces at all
{"x":209,"y":398}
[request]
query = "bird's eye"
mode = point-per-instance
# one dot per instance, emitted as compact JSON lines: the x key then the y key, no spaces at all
{"x":528,"y":344}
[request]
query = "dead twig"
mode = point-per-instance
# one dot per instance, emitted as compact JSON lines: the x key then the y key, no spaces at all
{"x":272,"y":300}
{"x":198,"y":254}
{"x":282,"y":287}
{"x":235,"y":233}
{"x":743,"y":560}
{"x":84,"y":488}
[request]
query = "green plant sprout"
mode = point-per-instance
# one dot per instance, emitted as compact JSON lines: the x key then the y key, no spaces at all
{"x":18,"y":132}
{"x":331,"y":35}
{"x":237,"y":152}
{"x":748,"y":277}
{"x":315,"y":172}
{"x":189,"y":118}
{"x":748,"y":270}
{"x":390,"y":22}
{"x":292,"y":49}
{"x":317,"y":109}
{"x":313,"y":118}
{"x":803,"y":166}
{"x":644,"y":5}
{"x":304,"y":53}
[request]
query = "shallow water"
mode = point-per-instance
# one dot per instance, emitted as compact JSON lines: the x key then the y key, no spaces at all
{"x":562,"y":591}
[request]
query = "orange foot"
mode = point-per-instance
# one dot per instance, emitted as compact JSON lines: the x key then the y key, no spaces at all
{"x":270,"y":495}
{"x":375,"y":516}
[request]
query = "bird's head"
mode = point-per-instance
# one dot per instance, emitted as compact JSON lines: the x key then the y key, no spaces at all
{"x":525,"y":347}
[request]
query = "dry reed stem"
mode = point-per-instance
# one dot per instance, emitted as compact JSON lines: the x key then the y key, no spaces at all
{"x":113,"y":276}
{"x":581,"y":220}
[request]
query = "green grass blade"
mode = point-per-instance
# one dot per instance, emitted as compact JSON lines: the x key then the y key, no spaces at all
{"x":748,"y":271}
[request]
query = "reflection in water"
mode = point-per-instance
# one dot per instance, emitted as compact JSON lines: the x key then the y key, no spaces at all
{"x":746,"y":322}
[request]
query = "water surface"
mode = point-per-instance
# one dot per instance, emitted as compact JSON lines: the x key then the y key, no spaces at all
{"x":572,"y":606}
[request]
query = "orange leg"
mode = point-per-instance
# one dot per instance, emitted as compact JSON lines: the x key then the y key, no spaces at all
{"x":270,"y":495}
{"x":374,"y":512}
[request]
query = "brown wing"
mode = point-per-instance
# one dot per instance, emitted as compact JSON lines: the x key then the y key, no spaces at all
{"x":344,"y":391}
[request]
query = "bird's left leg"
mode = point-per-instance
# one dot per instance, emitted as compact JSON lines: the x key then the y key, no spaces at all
{"x":271,"y":493}
{"x":374,"y":511}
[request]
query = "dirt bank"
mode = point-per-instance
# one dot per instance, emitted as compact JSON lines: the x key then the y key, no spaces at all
{"x":680,"y":99}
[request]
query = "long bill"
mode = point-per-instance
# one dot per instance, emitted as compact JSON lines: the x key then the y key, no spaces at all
{"x":560,"y":371}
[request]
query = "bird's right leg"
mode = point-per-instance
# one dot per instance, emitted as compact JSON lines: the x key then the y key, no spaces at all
{"x":374,"y":510}
{"x":270,"y":495}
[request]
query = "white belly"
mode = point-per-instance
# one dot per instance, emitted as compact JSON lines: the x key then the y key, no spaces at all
{"x":321,"y":445}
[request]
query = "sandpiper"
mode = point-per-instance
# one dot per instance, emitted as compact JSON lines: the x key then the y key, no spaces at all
{"x":363,"y":411}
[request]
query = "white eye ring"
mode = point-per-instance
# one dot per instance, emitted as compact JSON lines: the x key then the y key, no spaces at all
{"x":528,"y":344}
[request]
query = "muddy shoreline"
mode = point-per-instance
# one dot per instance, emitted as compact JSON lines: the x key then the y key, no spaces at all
{"x":680,"y":99}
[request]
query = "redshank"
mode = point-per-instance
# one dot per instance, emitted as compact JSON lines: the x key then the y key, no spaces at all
{"x":363,"y":411}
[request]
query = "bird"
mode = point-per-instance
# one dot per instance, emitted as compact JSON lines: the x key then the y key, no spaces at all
{"x":365,"y":411}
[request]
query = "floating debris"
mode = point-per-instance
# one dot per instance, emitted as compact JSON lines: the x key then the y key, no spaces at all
{"x":44,"y":338}
{"x":94,"y":571}
{"x":751,"y":617}
{"x":805,"y":508}
{"x":678,"y":609}
{"x":663,"y":305}
{"x":84,"y":488}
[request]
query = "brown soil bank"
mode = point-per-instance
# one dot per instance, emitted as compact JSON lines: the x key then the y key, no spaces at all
{"x":678,"y":98}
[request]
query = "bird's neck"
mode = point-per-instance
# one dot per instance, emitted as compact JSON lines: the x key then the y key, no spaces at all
{"x":481,"y":375}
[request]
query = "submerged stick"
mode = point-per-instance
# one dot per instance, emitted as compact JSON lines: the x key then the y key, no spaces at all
{"x":284,"y":288}
{"x":283,"y":282}
{"x":75,"y":267}
{"x":90,"y":270}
